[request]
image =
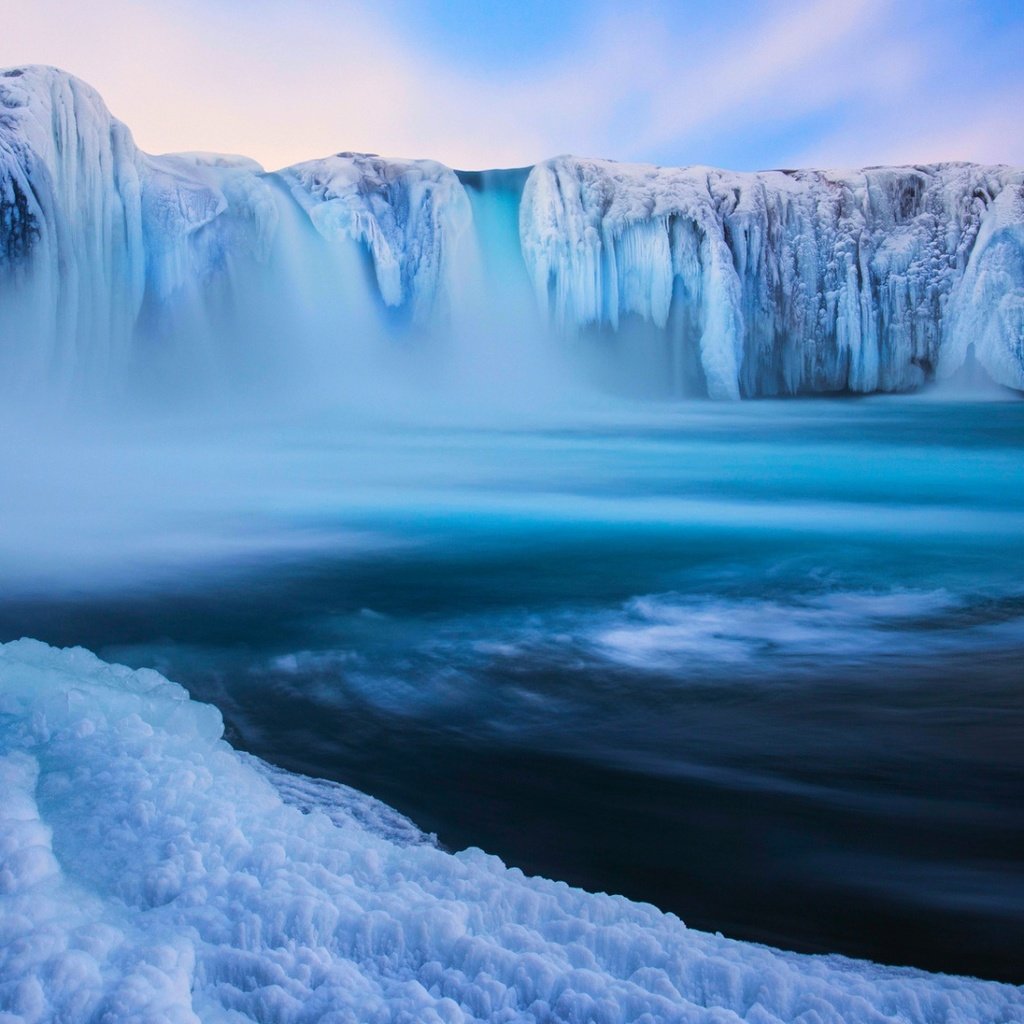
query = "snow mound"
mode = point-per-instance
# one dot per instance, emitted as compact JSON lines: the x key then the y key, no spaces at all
{"x":150,"y":872}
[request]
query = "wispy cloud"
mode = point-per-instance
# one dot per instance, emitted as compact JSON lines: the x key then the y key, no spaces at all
{"x":864,"y":81}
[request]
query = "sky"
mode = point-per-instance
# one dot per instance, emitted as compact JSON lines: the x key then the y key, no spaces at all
{"x":739,"y":84}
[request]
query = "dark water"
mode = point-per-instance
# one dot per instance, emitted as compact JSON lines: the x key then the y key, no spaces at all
{"x":758,"y":665}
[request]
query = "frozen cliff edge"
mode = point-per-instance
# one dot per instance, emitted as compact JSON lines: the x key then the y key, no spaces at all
{"x":782,"y":282}
{"x":729,"y":284}
{"x":150,"y":871}
{"x":111,"y":258}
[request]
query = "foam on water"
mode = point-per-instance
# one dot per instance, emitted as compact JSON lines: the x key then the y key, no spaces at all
{"x":663,"y":632}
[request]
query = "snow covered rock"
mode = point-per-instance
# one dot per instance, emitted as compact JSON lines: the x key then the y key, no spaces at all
{"x":150,"y":872}
{"x":412,"y":216}
{"x":789,"y":281}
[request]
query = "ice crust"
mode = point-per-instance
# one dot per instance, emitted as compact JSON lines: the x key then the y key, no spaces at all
{"x":777,"y":282}
{"x":149,"y":872}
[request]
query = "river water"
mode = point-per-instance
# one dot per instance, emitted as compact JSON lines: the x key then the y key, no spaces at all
{"x":758,"y":664}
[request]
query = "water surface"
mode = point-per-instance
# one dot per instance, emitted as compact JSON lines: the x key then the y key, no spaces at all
{"x":758,"y":664}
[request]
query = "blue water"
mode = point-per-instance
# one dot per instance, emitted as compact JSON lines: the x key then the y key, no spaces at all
{"x":758,"y":664}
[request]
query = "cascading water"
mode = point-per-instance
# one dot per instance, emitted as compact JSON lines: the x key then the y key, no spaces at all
{"x":669,"y":281}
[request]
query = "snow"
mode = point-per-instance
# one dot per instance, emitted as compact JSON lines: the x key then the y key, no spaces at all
{"x":777,"y":282}
{"x":149,"y":872}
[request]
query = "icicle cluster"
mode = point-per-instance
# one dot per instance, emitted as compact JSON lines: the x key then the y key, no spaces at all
{"x":780,"y":282}
{"x":789,"y":281}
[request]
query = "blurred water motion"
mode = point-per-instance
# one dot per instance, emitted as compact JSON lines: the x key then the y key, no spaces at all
{"x":757,"y":664}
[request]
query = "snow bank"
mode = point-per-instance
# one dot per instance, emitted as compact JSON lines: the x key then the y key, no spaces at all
{"x":149,"y":872}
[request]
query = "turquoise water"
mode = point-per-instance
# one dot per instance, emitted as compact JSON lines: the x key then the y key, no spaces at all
{"x":758,"y":664}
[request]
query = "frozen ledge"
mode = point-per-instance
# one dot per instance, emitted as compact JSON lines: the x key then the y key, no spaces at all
{"x":148,"y":871}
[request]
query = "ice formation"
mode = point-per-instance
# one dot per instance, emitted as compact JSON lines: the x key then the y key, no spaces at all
{"x":406,"y":212}
{"x":148,"y":871}
{"x":731,"y":284}
{"x":789,"y":281}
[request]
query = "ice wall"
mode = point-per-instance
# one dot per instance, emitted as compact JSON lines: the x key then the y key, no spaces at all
{"x":789,"y":281}
{"x":113,"y":262}
{"x":149,"y":872}
{"x":116,"y":264}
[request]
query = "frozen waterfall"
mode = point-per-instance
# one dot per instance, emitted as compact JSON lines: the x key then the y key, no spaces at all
{"x":118,"y":267}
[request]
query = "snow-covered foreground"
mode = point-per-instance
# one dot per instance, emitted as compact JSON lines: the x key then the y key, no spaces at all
{"x":148,"y":871}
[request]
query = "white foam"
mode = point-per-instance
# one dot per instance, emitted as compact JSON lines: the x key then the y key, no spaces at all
{"x":667,"y":631}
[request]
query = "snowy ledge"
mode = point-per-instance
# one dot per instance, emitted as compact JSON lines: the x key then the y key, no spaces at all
{"x":148,"y":871}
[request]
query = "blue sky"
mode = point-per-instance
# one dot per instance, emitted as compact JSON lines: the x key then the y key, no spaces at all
{"x":736,"y":84}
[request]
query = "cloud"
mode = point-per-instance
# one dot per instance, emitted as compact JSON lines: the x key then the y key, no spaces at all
{"x":278,"y":82}
{"x":864,"y":81}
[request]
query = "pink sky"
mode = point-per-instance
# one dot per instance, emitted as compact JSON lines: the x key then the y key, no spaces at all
{"x":805,"y":82}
